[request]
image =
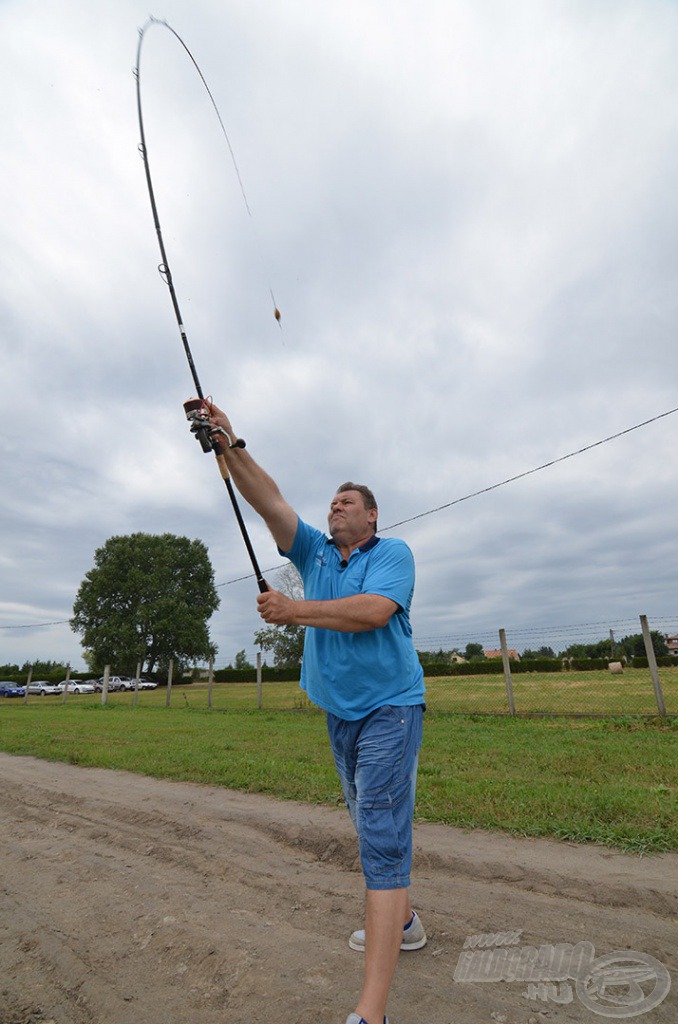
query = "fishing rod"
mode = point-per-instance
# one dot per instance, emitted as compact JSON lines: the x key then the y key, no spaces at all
{"x":196,"y":409}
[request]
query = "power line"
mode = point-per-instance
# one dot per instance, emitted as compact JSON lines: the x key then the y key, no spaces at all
{"x":493,"y":487}
{"x":528,"y":472}
{"x":38,"y":625}
{"x":440,"y":508}
{"x":581,"y":631}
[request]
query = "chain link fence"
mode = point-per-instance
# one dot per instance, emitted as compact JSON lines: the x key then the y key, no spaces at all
{"x":574,"y":692}
{"x":503,"y":684}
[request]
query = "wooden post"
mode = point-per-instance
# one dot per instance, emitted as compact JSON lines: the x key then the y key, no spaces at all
{"x":28,"y":683}
{"x":170,"y":673}
{"x":652,"y":662}
{"x":68,"y":679}
{"x":210,"y":680}
{"x":104,"y":689}
{"x":507,"y":671}
{"x":136,"y":684}
{"x":260,"y":689}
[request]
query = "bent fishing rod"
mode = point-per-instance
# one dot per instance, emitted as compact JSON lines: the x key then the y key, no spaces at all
{"x":196,"y":409}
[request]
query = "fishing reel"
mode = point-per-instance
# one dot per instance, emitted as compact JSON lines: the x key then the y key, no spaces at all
{"x":204,"y":432}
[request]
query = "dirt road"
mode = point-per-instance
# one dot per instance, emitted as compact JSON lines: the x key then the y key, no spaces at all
{"x":125,"y":899}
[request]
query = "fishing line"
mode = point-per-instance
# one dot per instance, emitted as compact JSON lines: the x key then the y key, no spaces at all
{"x":222,"y":126}
{"x":195,"y":409}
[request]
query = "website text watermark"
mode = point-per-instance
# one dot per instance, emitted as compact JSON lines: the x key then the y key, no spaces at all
{"x":619,"y":985}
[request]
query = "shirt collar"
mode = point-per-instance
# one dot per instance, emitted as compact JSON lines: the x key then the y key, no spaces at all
{"x":367,"y":546}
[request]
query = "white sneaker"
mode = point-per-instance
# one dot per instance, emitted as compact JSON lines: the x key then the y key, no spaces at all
{"x":353,"y":1018}
{"x":414,"y":937}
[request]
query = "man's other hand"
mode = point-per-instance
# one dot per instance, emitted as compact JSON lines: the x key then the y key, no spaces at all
{"x":275,"y":608}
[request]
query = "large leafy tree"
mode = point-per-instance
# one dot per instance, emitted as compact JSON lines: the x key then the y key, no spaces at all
{"x":148,"y":598}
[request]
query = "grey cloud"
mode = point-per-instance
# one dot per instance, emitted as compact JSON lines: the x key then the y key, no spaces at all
{"x":469,"y":231}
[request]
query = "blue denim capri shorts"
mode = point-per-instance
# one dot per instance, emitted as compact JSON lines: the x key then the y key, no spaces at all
{"x":376,"y":758}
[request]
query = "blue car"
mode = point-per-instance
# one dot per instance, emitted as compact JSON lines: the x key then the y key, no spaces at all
{"x":11,"y":690}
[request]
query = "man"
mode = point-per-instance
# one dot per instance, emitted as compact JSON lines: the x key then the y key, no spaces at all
{"x":360,"y":665}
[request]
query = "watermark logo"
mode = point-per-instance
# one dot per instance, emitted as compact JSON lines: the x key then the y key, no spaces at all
{"x":618,"y":985}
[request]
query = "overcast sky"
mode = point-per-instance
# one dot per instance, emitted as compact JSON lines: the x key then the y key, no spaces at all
{"x":467,"y":212}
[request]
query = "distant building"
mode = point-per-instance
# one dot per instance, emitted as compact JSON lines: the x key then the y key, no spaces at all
{"x":512,"y":653}
{"x":672,"y":644}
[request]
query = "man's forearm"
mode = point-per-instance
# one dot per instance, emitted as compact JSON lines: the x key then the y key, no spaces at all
{"x":256,"y":486}
{"x":356,"y":614}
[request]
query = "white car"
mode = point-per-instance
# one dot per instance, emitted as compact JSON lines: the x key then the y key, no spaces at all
{"x":116,"y":683}
{"x":43,"y":688}
{"x":126,"y":683}
{"x":76,"y":687}
{"x":147,"y":684}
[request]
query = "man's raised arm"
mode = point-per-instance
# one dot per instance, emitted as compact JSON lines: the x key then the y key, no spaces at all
{"x":257,"y":488}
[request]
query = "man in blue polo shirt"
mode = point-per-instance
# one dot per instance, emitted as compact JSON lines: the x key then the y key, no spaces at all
{"x":360,"y":665}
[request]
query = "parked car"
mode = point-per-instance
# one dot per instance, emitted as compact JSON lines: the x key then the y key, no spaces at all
{"x":147,"y":684}
{"x":8,"y":689}
{"x":115,"y":683}
{"x":76,"y":687}
{"x":43,"y":688}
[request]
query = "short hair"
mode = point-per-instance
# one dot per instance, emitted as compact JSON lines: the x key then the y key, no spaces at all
{"x":368,"y":497}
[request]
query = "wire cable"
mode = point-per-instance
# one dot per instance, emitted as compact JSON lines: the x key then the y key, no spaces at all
{"x":529,"y":472}
{"x":493,"y":487}
{"x":38,"y":625}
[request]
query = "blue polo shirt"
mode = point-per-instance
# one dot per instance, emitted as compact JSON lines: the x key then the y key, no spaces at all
{"x":353,"y":674}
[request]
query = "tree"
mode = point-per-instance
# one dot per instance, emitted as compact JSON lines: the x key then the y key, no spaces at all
{"x":629,"y":646}
{"x":286,"y":643}
{"x":473,"y":652}
{"x":543,"y":652}
{"x":579,"y":650}
{"x":242,"y":661}
{"x":44,"y":668}
{"x":634,"y":646}
{"x":148,"y":598}
{"x":439,"y":657}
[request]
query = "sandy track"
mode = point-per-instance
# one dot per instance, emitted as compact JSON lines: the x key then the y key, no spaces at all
{"x":125,"y":899}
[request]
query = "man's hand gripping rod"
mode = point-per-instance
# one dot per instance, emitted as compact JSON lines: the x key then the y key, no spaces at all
{"x":209,"y":442}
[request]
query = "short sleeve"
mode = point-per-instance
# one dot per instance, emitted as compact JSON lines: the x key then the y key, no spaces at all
{"x":391,"y":572}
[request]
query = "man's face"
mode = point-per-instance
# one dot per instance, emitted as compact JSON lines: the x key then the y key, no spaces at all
{"x":349,"y":521}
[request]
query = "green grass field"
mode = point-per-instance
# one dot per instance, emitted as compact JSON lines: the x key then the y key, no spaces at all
{"x":557,"y":693}
{"x":612,"y":781}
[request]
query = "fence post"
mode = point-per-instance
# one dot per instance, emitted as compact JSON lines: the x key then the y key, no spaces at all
{"x":170,"y":673}
{"x":136,"y":684}
{"x":210,"y":680}
{"x":104,"y":688}
{"x":652,"y":662}
{"x":507,"y":671}
{"x":68,"y":679}
{"x":260,"y":695}
{"x":28,"y":683}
